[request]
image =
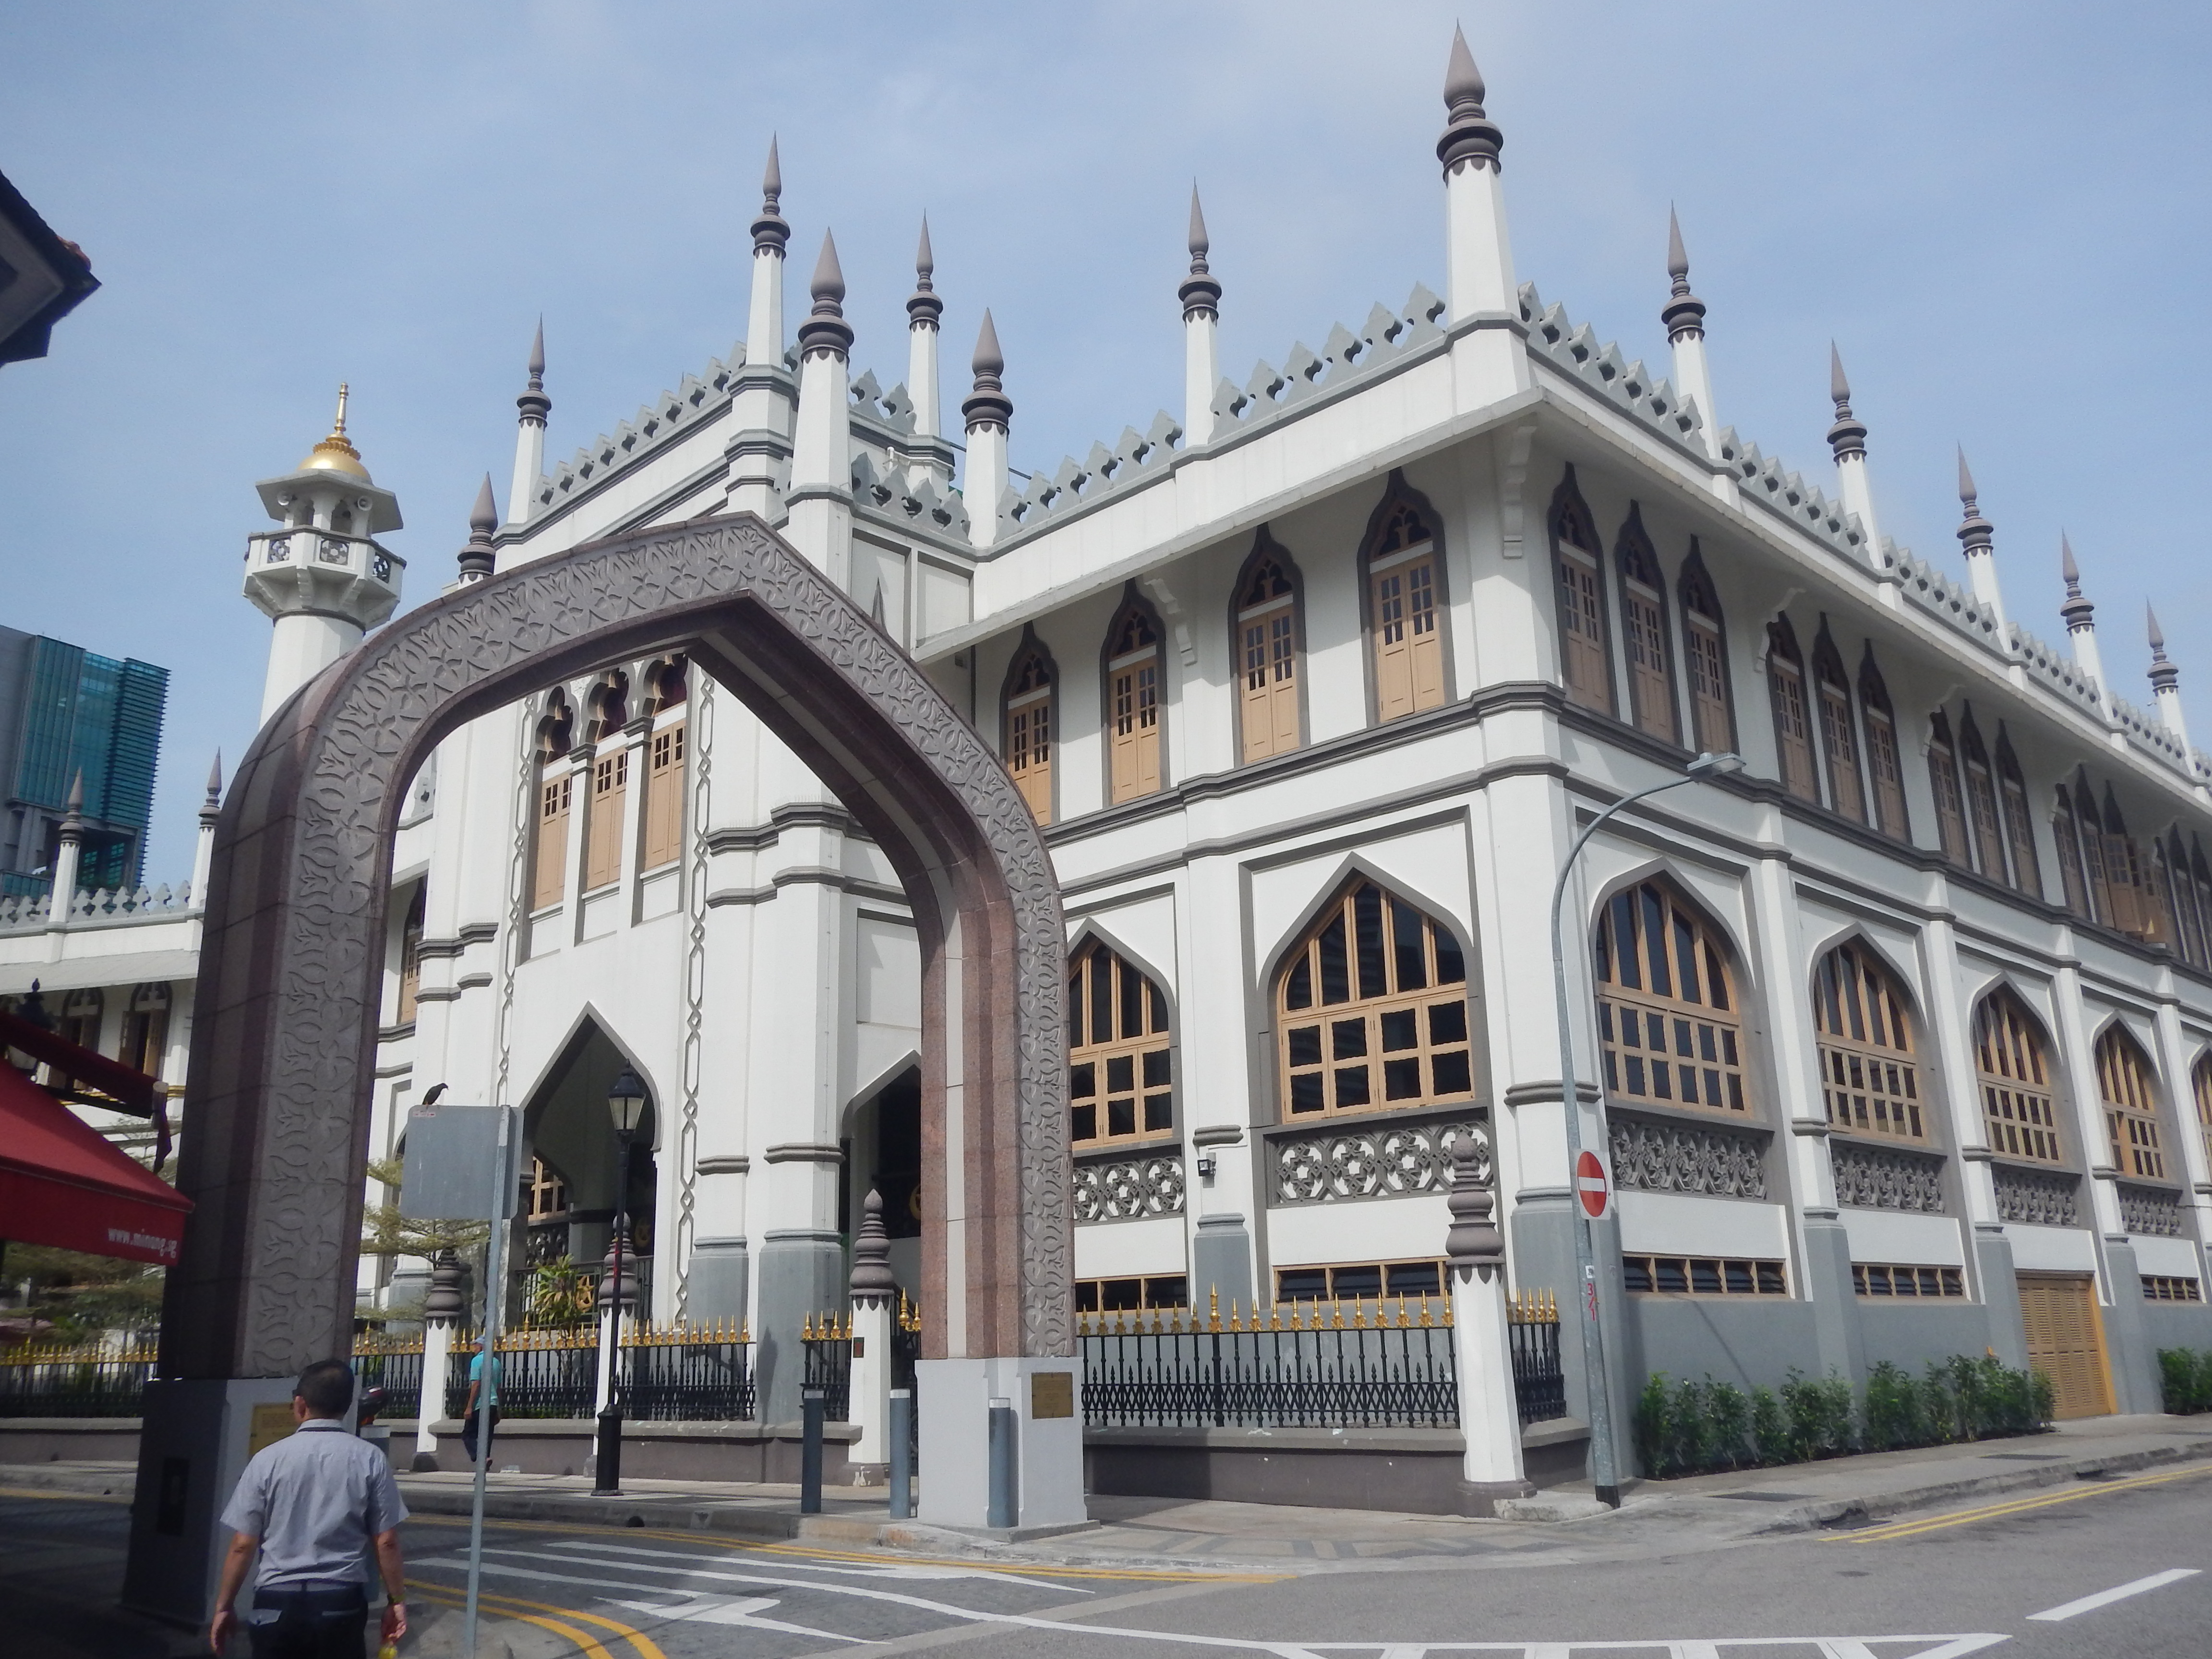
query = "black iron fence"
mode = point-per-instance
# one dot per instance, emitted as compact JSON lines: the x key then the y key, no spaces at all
{"x":668,"y":1374}
{"x":74,"y":1381}
{"x":827,"y":1339}
{"x":1315,"y":1366}
{"x":688,"y":1374}
{"x":393,"y":1364}
{"x":1539,"y":1382}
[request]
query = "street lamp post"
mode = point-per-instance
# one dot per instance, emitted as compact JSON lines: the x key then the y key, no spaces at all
{"x":626,"y":1106}
{"x":1605,"y":1467}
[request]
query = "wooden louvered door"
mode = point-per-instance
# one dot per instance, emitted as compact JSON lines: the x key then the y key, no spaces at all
{"x":2066,"y":1342}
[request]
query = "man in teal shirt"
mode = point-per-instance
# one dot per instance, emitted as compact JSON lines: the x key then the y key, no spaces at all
{"x":471,"y":1420}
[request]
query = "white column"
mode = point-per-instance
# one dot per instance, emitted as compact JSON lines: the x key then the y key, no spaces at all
{"x":760,"y":411}
{"x":870,"y":1408}
{"x":1202,"y":317}
{"x":1482,"y":1350}
{"x":203,"y":851}
{"x":1489,"y":363}
{"x":301,"y":646}
{"x":437,"y":1359}
{"x":987,"y":410}
{"x":923,"y":308}
{"x":821,"y":494}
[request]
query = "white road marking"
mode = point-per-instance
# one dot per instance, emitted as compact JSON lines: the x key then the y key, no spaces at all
{"x":2105,"y":1598}
{"x":741,"y":1610}
{"x":856,"y":1569}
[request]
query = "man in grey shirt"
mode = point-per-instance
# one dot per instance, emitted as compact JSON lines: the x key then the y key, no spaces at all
{"x":313,"y":1503}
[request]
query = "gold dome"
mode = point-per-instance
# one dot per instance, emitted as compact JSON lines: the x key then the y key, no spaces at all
{"x":335,"y":453}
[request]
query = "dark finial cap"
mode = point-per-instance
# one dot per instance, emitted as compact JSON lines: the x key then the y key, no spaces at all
{"x":477,"y":559}
{"x":538,"y":355}
{"x":1968,"y":496}
{"x":872,"y":1282}
{"x":1473,"y":1240}
{"x":1848,"y":435}
{"x":2077,"y":611}
{"x":534,"y":402}
{"x":1201,"y":293}
{"x":2068,"y":572}
{"x":1469,"y":134}
{"x":769,"y":230}
{"x":988,"y":404}
{"x":2157,"y":635}
{"x":2164,"y":675}
{"x":825,"y":328}
{"x":1685,"y":312}
{"x":1975,"y":532}
{"x":923,"y":306}
{"x":214,"y":777}
{"x":75,"y":820}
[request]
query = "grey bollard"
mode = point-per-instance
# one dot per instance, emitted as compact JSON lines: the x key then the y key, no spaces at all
{"x":902,"y":1449}
{"x":1006,"y":1475}
{"x":810,"y":1452}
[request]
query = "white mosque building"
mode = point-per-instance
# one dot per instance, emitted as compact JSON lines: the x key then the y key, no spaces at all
{"x":1901,"y":1037}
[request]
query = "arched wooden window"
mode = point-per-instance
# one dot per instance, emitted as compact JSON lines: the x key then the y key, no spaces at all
{"x":2180,"y":898}
{"x":664,"y":795}
{"x":2019,"y":826}
{"x":1943,"y":783}
{"x":2012,"y":1067}
{"x":1667,"y":1015}
{"x":1264,"y":623}
{"x":1869,"y":1076}
{"x":1884,"y":765}
{"x":1121,"y":1081}
{"x":1583,"y":659}
{"x":1405,"y":607}
{"x":1981,"y":800}
{"x":1134,"y":702}
{"x":1786,"y":690}
{"x":610,"y":706}
{"x":2188,"y":877}
{"x":1712,"y":709}
{"x":2066,"y":831}
{"x":146,"y":1030}
{"x":2200,"y":1083}
{"x":1839,"y":744}
{"x":1026,"y":717}
{"x":610,"y":782}
{"x":1371,"y":1010}
{"x":2124,"y":880}
{"x":1644,"y":630}
{"x":2128,"y":1084}
{"x":556,"y":781}
{"x":411,"y":955}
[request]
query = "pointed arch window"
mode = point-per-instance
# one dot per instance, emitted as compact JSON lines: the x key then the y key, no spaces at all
{"x":1264,"y":625}
{"x":1869,"y":1078}
{"x":555,"y":783}
{"x":1712,"y":710}
{"x":1839,"y":745}
{"x":663,"y":767}
{"x":2191,"y":869}
{"x":2123,"y":882}
{"x":1644,"y":630}
{"x":2066,"y":831}
{"x":1981,"y":800}
{"x":1668,"y":1021}
{"x":1371,"y":1011}
{"x":1943,"y":783}
{"x":2200,"y":1084}
{"x":2130,"y":1089}
{"x":2012,"y":1068}
{"x":1884,"y":767}
{"x":2181,"y":900}
{"x":1405,"y":609}
{"x":1585,"y":661}
{"x":1121,"y":1077}
{"x":1785,"y":690}
{"x":1026,"y":720}
{"x":146,"y":1030}
{"x":2019,"y":825}
{"x":411,"y":955}
{"x":1133,"y":703}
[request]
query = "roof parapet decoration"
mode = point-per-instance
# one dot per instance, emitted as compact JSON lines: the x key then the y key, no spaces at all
{"x":892,"y":492}
{"x":654,"y":424}
{"x":1555,"y":337}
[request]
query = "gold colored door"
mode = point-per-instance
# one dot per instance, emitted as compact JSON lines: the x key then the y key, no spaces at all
{"x":2066,"y":1342}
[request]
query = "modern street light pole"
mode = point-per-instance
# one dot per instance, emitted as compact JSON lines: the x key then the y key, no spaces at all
{"x":1605,"y":1466}
{"x":626,"y":1106}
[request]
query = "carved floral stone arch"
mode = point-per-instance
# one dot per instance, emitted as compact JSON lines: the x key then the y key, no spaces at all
{"x":284,"y":1040}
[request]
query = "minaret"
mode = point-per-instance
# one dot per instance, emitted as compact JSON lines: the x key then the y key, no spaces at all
{"x":1201,"y":316}
{"x":1479,"y":251}
{"x":1684,"y":317}
{"x":321,"y":577}
{"x":204,"y":853}
{"x":988,"y":412}
{"x":530,"y":433}
{"x":68,"y":856}
{"x":1847,"y":437}
{"x":820,"y":501}
{"x":477,"y":559}
{"x":923,"y":309}
{"x":761,"y":411}
{"x":1976,"y":536}
{"x":2080,"y":618}
{"x":2165,"y":681}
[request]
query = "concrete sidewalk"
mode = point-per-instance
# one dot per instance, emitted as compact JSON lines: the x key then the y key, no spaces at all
{"x":1660,"y":1516}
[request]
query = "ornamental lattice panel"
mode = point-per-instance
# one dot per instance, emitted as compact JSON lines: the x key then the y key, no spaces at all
{"x":1130,"y":1189}
{"x":1877,"y":1178}
{"x":1653,"y":1157}
{"x":2151,"y":1212}
{"x":1381,"y":1162}
{"x":2039,"y":1200}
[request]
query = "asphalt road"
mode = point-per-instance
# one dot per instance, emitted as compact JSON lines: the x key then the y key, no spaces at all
{"x":2034,"y":1576}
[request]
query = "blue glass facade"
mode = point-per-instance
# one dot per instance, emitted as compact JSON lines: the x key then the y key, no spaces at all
{"x":76,"y":713}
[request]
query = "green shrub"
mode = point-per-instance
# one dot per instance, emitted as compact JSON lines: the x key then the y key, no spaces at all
{"x":1728,"y":1420}
{"x":2186,"y":1375}
{"x":1894,"y":1412}
{"x":1769,"y":1427}
{"x":1820,"y":1415}
{"x":1651,"y":1427}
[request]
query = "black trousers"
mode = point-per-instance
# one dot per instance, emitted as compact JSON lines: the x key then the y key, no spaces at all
{"x":308,"y":1624}
{"x":469,"y":1435}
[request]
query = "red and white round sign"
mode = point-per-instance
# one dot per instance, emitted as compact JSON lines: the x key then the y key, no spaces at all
{"x":1590,"y":1185}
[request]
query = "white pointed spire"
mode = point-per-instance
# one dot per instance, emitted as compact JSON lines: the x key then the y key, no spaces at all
{"x":1977,"y":538}
{"x":2165,"y":680}
{"x":1200,"y":295}
{"x":1847,"y":440}
{"x":988,"y":412}
{"x":2081,"y":617}
{"x":532,"y":407}
{"x":203,"y":848}
{"x":1490,"y":363}
{"x":1684,"y":314}
{"x":477,"y":559}
{"x":923,"y":311}
{"x":820,"y":522}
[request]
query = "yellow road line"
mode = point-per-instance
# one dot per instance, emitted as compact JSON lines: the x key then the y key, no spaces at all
{"x":60,"y":1497}
{"x":1898,"y":1529}
{"x":585,"y":1645}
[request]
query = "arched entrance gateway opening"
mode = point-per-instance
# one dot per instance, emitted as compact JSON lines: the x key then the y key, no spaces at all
{"x":283,"y":1047}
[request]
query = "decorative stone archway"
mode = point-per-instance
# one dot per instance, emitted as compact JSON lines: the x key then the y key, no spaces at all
{"x":284,"y":1043}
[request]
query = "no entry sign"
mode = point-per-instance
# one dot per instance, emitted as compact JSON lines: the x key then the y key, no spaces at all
{"x":1590,"y":1185}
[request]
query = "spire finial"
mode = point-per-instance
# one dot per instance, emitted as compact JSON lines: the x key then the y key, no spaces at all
{"x":335,"y":453}
{"x":73,"y":821}
{"x":477,"y":559}
{"x":2164,"y":675}
{"x":337,"y":427}
{"x":1685,"y":312}
{"x":1470,"y":135}
{"x":1969,"y":497}
{"x":534,"y":402}
{"x":922,"y":305}
{"x":1200,"y":293}
{"x":1839,"y":388}
{"x":1847,"y":437}
{"x":769,"y":230}
{"x":2157,"y":635}
{"x":212,"y":807}
{"x":825,"y":328}
{"x":988,"y":405}
{"x":1975,"y":532}
{"x":2077,"y":611}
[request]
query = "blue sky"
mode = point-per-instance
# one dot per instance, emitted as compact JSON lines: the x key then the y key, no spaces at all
{"x":1999,"y":210}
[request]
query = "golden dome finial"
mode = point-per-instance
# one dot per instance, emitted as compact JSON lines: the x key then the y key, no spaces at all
{"x":335,"y":453}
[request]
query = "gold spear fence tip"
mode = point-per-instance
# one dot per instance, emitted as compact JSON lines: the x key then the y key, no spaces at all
{"x":1213,"y":1312}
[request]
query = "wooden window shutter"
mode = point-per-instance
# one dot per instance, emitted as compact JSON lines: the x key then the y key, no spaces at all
{"x":603,"y":830}
{"x":1841,"y":747}
{"x":550,"y":854}
{"x":664,"y":798}
{"x":1582,"y":631}
{"x":1785,"y":682}
{"x":1950,"y":809}
{"x":1650,"y":686}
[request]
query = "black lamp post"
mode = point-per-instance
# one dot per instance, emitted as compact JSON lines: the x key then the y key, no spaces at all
{"x":626,"y":1106}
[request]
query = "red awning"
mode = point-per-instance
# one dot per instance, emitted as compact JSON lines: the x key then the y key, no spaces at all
{"x":63,"y":1183}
